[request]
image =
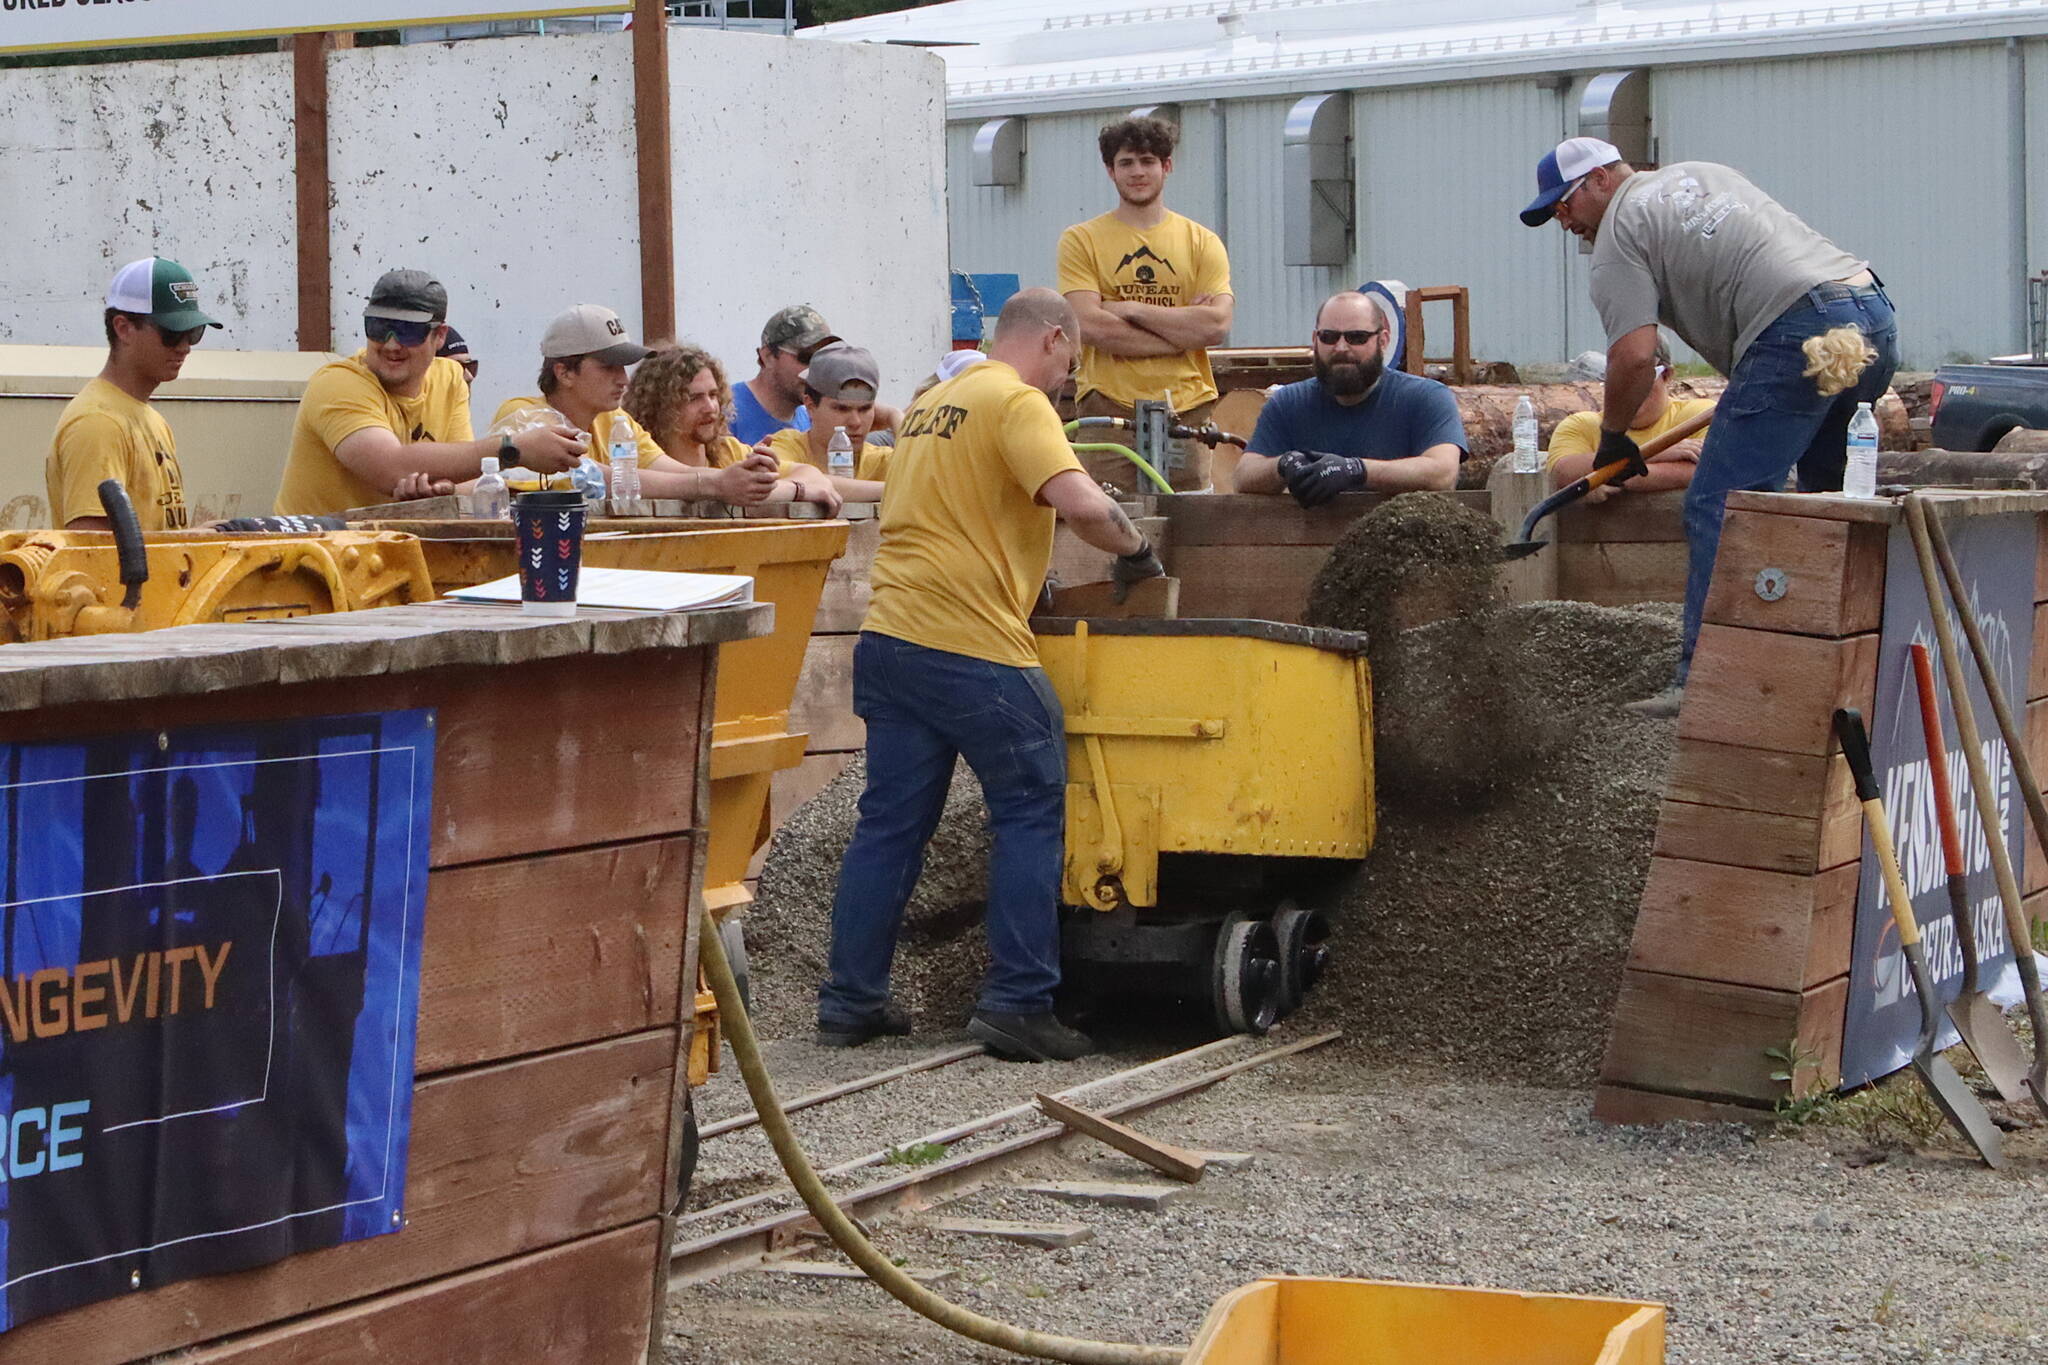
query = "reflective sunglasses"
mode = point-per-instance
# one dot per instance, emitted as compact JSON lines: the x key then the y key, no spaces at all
{"x":1330,"y":336}
{"x":1565,"y":198}
{"x":405,"y":333}
{"x":191,"y":336}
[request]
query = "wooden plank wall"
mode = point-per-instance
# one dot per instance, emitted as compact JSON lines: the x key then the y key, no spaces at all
{"x":552,"y":1033}
{"x":1743,"y":940}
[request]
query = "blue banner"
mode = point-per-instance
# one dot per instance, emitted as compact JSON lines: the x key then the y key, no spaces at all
{"x":1996,"y":556}
{"x":209,"y":983}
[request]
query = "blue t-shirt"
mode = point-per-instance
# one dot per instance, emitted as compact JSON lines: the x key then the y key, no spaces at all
{"x":753,"y":423}
{"x":1404,"y":415}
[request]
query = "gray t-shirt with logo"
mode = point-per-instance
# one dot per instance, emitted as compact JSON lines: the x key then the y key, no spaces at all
{"x":1695,"y":246}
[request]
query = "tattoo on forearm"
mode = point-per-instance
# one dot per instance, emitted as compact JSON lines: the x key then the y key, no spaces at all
{"x":1119,"y":519}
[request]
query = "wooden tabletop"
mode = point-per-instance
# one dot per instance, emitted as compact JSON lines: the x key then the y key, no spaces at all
{"x":186,"y":660}
{"x":1885,"y":510}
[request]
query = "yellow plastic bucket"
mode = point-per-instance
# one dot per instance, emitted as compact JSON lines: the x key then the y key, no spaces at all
{"x":1286,"y":1320}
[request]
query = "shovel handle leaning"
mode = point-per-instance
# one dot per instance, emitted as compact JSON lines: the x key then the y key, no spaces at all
{"x":1856,"y":748}
{"x":1937,"y":760}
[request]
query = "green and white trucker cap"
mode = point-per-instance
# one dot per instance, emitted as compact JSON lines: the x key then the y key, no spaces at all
{"x":161,"y":290}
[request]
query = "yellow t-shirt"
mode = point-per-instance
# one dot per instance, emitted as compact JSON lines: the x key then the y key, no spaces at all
{"x":599,"y":431}
{"x":965,"y":545}
{"x":1169,"y":265}
{"x":727,"y":450}
{"x":1579,"y":434}
{"x":345,"y":397}
{"x":103,"y":433}
{"x":792,"y":448}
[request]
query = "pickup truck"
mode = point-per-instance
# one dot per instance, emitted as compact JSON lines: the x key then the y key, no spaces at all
{"x":1972,"y":406}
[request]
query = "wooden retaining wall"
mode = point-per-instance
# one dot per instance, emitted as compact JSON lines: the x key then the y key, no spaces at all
{"x":1743,"y":941}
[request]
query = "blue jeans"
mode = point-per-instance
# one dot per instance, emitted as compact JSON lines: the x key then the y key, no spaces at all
{"x":923,"y":707}
{"x":1771,"y":420}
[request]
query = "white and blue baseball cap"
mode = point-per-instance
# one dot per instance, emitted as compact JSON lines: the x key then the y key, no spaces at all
{"x":1568,"y":161}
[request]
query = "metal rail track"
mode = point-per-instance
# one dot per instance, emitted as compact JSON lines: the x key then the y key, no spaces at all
{"x":853,"y":1087}
{"x":720,"y":1252}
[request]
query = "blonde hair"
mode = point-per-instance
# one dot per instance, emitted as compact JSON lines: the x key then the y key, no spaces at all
{"x":1836,"y":359}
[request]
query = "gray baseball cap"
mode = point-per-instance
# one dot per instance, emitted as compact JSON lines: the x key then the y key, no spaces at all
{"x":798,"y":328}
{"x":591,"y":329}
{"x":835,"y":366}
{"x":408,"y":296}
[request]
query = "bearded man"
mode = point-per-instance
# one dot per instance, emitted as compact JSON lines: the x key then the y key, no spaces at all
{"x":1356,"y":426}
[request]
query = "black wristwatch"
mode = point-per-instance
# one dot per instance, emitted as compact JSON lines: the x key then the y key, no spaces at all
{"x":508,"y":453}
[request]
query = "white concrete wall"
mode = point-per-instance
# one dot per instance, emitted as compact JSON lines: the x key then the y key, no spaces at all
{"x":188,"y":159}
{"x":811,"y":173}
{"x":505,"y":169}
{"x":805,"y":172}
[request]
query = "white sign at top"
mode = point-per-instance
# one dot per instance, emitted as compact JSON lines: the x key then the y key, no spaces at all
{"x":41,"y":25}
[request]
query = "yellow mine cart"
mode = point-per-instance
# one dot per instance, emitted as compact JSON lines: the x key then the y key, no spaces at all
{"x":1290,"y":1321}
{"x":1215,"y":768}
{"x":59,"y":584}
{"x":750,"y":741}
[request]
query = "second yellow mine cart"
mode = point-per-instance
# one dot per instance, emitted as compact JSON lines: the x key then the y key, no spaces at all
{"x":1214,"y":768}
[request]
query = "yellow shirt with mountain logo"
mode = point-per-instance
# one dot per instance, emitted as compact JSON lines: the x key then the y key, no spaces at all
{"x":965,"y":543}
{"x":1172,"y":265}
{"x":792,"y":448}
{"x":105,"y":433}
{"x":344,"y":397}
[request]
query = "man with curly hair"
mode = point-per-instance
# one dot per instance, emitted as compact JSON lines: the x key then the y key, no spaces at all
{"x":680,"y":396}
{"x":1152,"y":290}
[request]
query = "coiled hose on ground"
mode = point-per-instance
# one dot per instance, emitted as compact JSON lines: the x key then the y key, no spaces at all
{"x":739,"y":1031}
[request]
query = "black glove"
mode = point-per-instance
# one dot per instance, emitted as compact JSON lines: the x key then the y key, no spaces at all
{"x":1615,"y":445}
{"x":1326,"y":478}
{"x":1294,"y":464}
{"x":1135,"y":567}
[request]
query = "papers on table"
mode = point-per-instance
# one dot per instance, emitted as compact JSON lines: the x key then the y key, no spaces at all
{"x":635,"y":589}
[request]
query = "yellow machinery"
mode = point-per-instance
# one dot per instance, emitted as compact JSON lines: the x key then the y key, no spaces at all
{"x":1213,"y":767}
{"x":57,"y":584}
{"x":750,"y":741}
{"x":1290,"y":1321}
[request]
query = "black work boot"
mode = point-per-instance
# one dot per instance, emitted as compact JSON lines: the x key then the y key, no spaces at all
{"x":1028,"y":1037}
{"x":893,"y":1022}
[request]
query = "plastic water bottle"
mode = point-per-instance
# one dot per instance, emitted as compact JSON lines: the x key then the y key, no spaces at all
{"x":1526,"y":461}
{"x":625,"y":458}
{"x":490,"y":499}
{"x":1859,"y":479}
{"x":839,"y":455}
{"x":589,"y":479}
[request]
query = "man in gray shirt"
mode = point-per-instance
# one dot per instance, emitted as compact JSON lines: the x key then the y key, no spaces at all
{"x":1695,"y":246}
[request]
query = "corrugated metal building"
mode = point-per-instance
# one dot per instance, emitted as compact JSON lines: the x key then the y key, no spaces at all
{"x":1910,"y":132}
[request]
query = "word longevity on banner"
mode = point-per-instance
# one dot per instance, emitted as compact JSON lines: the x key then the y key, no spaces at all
{"x":1996,"y":556}
{"x":209,"y":989}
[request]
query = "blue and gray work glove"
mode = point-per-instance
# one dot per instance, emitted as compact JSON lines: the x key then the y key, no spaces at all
{"x":1314,"y":477}
{"x":1615,"y":446}
{"x":1129,"y":570}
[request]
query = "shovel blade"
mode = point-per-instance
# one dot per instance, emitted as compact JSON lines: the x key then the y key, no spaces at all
{"x":1520,"y":549}
{"x":1991,"y":1041}
{"x":1961,"y":1108}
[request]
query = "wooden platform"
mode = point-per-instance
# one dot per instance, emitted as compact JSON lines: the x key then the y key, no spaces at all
{"x":555,"y":1023}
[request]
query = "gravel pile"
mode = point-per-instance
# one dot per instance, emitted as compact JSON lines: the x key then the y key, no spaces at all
{"x":941,"y":955}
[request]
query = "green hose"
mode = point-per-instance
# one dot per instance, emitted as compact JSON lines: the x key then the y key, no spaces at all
{"x":739,"y":1031}
{"x":1147,"y":470}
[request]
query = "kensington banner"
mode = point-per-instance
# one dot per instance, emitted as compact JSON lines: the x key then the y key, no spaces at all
{"x":32,"y":25}
{"x":1996,"y":556}
{"x":209,"y":985}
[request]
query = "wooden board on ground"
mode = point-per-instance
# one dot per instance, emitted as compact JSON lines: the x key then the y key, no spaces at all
{"x":845,"y":1270}
{"x":1050,"y":1236}
{"x":1163,"y":1157}
{"x":1154,"y":599}
{"x":1112,"y":1193}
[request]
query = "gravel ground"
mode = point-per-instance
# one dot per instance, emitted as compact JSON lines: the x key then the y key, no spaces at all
{"x":1811,"y":1247}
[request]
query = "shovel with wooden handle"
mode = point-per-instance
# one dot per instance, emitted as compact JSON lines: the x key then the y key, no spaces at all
{"x":1927,"y":540}
{"x":1524,"y":542}
{"x":1943,"y":1085}
{"x":1977,"y":1017}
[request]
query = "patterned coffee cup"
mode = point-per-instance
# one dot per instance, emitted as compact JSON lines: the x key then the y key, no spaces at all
{"x":549,"y":531}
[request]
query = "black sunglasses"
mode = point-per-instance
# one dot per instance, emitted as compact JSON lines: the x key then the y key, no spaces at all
{"x":191,"y":336}
{"x":1330,"y":336}
{"x":405,"y":333}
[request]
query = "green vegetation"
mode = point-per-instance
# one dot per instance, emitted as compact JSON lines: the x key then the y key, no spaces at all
{"x":916,"y":1154}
